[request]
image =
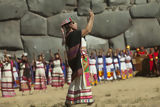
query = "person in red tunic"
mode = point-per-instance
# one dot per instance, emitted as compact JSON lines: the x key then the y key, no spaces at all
{"x":151,"y":61}
{"x":142,"y":51}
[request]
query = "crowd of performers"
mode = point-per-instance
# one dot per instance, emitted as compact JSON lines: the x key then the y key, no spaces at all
{"x":103,"y":66}
{"x":153,"y":59}
{"x":112,"y":65}
{"x":19,"y":73}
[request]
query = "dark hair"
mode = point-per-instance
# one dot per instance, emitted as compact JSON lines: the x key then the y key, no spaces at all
{"x":39,"y":56}
{"x":56,"y":54}
{"x":66,"y":29}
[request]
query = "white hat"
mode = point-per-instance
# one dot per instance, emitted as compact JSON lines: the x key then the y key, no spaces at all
{"x":25,"y":54}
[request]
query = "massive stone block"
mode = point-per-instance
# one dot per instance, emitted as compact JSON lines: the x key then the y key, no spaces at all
{"x":140,"y":1}
{"x":145,"y":10}
{"x":10,"y":35}
{"x":98,"y":6}
{"x":54,"y":23}
{"x":71,"y":2}
{"x":12,"y":9}
{"x":148,"y":1}
{"x":33,"y":24}
{"x":46,"y":7}
{"x":111,"y":24}
{"x":118,"y":2}
{"x":96,"y":43}
{"x":42,"y":44}
{"x":84,"y":7}
{"x":144,"y":32}
{"x":117,"y":42}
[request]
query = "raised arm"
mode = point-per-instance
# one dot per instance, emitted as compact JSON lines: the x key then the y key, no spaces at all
{"x":34,"y":59}
{"x":16,"y":59}
{"x":59,"y":53}
{"x":89,"y":26}
{"x":51,"y":54}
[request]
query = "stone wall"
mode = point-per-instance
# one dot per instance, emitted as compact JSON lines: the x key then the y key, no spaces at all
{"x":33,"y":26}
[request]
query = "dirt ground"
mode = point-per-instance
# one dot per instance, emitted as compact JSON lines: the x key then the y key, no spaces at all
{"x":134,"y":92}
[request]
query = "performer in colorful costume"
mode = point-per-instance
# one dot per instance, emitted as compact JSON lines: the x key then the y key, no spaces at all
{"x":7,"y":83}
{"x":100,"y":67}
{"x":40,"y":76}
{"x":123,"y":68}
{"x":57,"y":72}
{"x":116,"y":62}
{"x":80,"y":90}
{"x":24,"y":74}
{"x":152,"y":60}
{"x":109,"y":66}
{"x":93,"y":69}
{"x":129,"y":64}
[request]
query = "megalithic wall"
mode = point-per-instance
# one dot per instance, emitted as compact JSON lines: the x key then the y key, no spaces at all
{"x":33,"y":26}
